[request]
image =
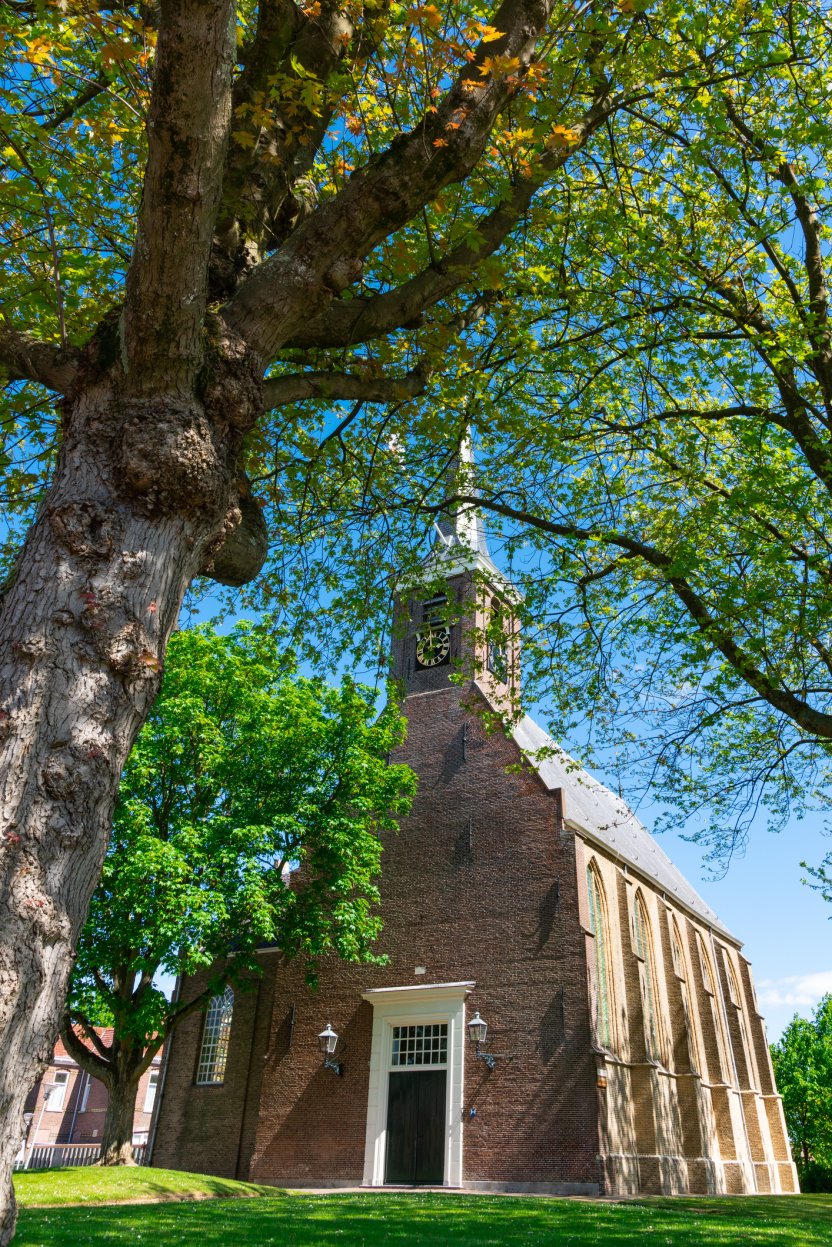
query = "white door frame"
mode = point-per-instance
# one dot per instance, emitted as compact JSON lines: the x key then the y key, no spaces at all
{"x":409,"y":1006}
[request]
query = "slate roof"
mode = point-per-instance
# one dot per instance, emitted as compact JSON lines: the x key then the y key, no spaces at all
{"x":590,"y":807}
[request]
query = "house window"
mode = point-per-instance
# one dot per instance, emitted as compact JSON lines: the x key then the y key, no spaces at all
{"x":603,"y":986}
{"x":215,"y":1035}
{"x":150,"y":1094}
{"x":643,"y":939}
{"x":420,"y":1045}
{"x":57,"y":1091}
{"x":85,"y":1094}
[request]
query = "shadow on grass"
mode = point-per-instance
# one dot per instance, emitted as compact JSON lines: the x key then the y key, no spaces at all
{"x":434,"y":1220}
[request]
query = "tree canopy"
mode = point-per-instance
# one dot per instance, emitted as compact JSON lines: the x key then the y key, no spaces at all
{"x":637,"y":331}
{"x":249,"y":814}
{"x":651,"y":390}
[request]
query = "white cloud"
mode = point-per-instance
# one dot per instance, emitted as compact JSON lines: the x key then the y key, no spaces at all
{"x":796,"y":990}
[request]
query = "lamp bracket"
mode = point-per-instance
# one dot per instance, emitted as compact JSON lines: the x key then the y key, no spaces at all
{"x":336,"y":1066}
{"x":491,"y":1058}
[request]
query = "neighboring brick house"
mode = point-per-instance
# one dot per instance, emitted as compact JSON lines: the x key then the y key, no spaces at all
{"x":628,"y":1051}
{"x":68,"y":1105}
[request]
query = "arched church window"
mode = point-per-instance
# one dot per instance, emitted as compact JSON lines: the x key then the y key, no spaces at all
{"x":731,"y":977}
{"x":736,"y":1000}
{"x":705,"y":962}
{"x":643,"y":939}
{"x":497,"y":661}
{"x":216,"y":1032}
{"x":603,"y":983}
{"x":709,"y":983}
{"x":681,"y":972}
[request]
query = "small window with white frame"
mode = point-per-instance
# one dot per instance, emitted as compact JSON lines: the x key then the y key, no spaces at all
{"x":57,"y":1091}
{"x":420,"y":1045}
{"x":213,"y":1053}
{"x":150,"y":1093}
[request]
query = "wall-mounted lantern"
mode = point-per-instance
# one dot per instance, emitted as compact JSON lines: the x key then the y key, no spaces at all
{"x":327,"y":1042}
{"x":477,"y":1031}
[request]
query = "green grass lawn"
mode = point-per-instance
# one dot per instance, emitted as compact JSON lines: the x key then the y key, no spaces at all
{"x":119,"y":1183}
{"x":417,"y":1220}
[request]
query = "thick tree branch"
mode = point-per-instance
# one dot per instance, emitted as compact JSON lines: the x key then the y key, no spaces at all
{"x":25,"y":358}
{"x":795,"y":708}
{"x":332,"y":385}
{"x":166,"y":289}
{"x":91,"y":1062}
{"x":257,"y":208}
{"x":325,"y":254}
{"x":353,"y":321}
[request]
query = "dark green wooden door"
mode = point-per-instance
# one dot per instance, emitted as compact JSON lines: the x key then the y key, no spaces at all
{"x":416,"y":1128}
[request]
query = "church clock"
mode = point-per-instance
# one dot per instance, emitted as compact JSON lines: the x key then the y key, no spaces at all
{"x":433,"y":646}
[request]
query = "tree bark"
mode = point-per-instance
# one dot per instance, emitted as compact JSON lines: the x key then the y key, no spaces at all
{"x":117,"y":1143}
{"x":144,"y":489}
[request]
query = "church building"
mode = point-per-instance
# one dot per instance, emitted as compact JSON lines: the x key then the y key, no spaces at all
{"x":560,"y":1011}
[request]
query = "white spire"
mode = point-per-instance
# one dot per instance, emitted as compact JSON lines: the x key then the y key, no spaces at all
{"x":461,"y":530}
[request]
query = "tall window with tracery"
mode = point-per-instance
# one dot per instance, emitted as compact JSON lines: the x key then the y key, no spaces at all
{"x":216,"y":1033}
{"x":680,"y":970}
{"x":643,"y":940}
{"x":603,"y":984}
{"x":735,"y":998}
{"x":716,"y":1055}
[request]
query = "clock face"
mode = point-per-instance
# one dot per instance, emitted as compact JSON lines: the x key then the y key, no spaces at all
{"x":433,"y":647}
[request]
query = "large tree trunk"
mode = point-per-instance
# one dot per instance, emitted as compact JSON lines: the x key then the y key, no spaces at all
{"x":142,"y":492}
{"x":117,"y":1144}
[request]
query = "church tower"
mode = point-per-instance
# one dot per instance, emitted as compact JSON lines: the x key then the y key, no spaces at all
{"x":466,"y":627}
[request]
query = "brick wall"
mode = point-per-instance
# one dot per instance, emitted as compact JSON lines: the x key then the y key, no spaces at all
{"x":479,"y":884}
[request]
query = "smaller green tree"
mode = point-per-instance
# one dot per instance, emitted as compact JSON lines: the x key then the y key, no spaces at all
{"x":243,"y":773}
{"x":803,"y":1068}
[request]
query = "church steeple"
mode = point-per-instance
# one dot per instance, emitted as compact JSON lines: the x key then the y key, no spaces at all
{"x":470,"y":624}
{"x":461,"y":543}
{"x":461,"y":531}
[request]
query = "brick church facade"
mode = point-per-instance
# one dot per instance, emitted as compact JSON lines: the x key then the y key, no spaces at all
{"x":624,"y":1053}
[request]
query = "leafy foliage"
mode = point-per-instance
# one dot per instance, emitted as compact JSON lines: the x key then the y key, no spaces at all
{"x":649,"y":378}
{"x":249,"y":814}
{"x":803,"y":1069}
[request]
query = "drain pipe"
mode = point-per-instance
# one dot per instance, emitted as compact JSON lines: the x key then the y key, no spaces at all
{"x":163,"y":1073}
{"x":83,"y":1078}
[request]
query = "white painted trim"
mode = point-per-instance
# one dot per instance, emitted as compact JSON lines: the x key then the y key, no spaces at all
{"x":442,"y":991}
{"x":408,"y":1006}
